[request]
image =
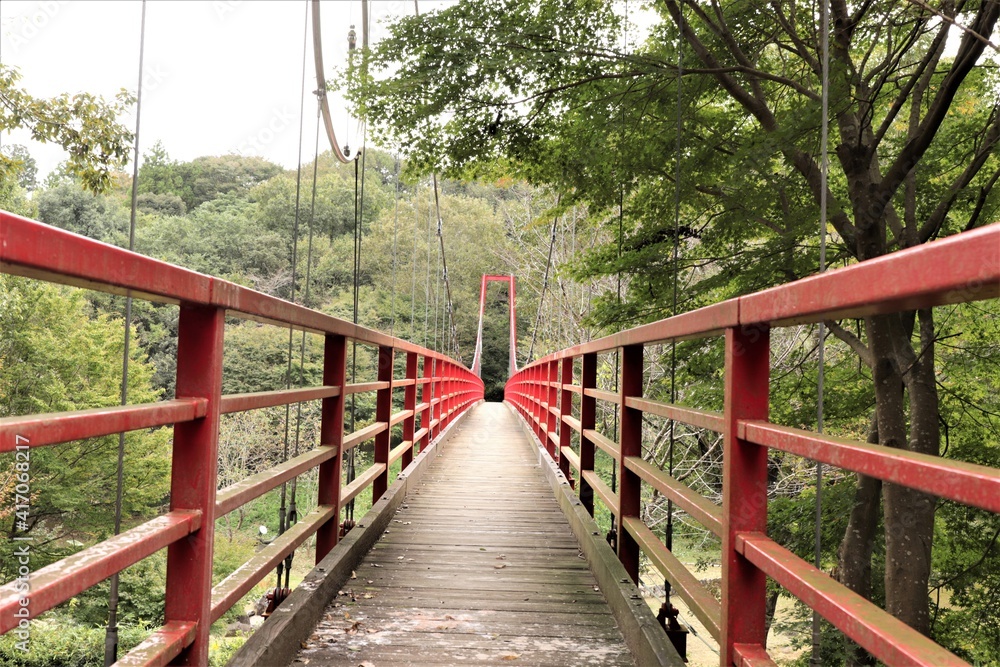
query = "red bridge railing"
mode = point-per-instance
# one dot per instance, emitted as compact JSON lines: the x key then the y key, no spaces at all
{"x":433,"y":396}
{"x":961,"y":268}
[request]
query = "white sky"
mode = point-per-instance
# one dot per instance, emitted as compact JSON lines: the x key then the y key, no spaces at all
{"x":221,"y":76}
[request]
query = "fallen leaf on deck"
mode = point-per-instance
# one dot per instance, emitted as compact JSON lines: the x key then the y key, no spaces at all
{"x":499,"y":566}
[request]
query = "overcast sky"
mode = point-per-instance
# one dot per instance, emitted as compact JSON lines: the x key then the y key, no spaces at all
{"x":221,"y":76}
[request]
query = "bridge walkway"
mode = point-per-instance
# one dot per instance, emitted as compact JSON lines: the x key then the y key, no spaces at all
{"x":479,"y":566}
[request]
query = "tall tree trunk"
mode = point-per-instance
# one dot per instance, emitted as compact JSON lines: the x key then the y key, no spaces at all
{"x":908,"y":515}
{"x":855,"y":553}
{"x":909,"y":521}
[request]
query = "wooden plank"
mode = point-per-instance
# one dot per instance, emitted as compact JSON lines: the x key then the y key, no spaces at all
{"x":278,"y":639}
{"x":477,"y":566}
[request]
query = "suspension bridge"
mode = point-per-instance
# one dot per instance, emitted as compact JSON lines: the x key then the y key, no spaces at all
{"x":484,"y":549}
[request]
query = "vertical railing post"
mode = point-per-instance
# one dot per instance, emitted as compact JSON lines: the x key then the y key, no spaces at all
{"x":438,"y":397}
{"x":565,"y":408}
{"x":744,"y":488}
{"x":383,"y":412}
{"x":588,"y":421}
{"x":449,"y":399}
{"x":409,"y":403}
{"x":536,"y":382}
{"x":630,"y":444}
{"x":426,"y":395}
{"x":331,"y":434}
{"x":552,"y":376}
{"x":194,"y":475}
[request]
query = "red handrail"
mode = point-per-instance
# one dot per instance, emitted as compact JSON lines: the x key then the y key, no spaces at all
{"x":961,"y":268}
{"x":446,"y":389}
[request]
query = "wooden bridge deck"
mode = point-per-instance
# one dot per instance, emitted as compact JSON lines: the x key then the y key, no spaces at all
{"x":479,"y":566}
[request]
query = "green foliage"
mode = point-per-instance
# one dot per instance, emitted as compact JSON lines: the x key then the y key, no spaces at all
{"x":85,"y":125}
{"x":21,"y":165}
{"x":204,"y":178}
{"x":54,"y":356}
{"x":96,"y":216}
{"x":59,"y":642}
{"x":141,"y":594}
{"x":219,"y":238}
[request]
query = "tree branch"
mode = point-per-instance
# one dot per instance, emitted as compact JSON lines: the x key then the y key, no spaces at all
{"x":933,"y":224}
{"x":968,"y":53}
{"x":852,"y":341}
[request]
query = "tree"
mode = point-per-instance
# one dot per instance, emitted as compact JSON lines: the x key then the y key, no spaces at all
{"x":547,"y":89}
{"x":23,"y":165}
{"x":97,"y":216}
{"x":85,"y":125}
{"x":206,"y":178}
{"x":55,"y":357}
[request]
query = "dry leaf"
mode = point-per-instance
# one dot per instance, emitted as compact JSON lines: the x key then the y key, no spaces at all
{"x":499,"y":566}
{"x":510,"y":656}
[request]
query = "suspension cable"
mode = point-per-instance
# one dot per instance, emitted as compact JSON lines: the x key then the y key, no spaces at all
{"x":427,"y":277}
{"x":413,"y":262}
{"x":545,"y":286}
{"x":395,"y":233}
{"x":111,"y":633}
{"x":669,"y":532}
{"x":282,"y":509}
{"x":453,"y":330}
{"x":821,"y":347}
{"x":338,"y":152}
{"x":293,"y":516}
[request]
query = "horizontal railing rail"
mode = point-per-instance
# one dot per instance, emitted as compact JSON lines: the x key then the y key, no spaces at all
{"x":436,"y":389}
{"x":961,"y":268}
